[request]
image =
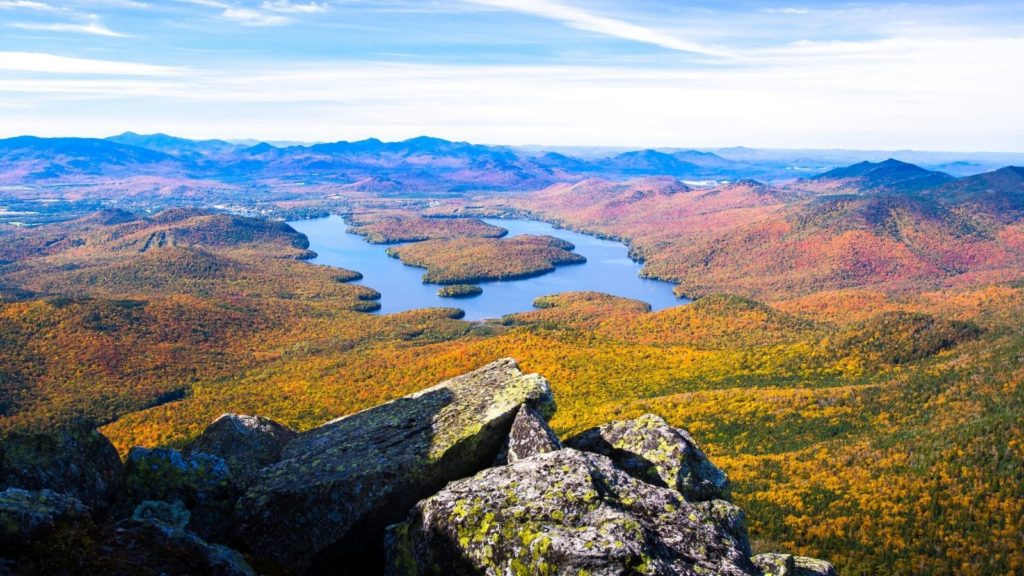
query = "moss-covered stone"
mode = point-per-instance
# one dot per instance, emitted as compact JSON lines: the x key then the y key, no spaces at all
{"x":789,"y":565}
{"x":202,"y":482}
{"x":174,"y":514}
{"x":327,"y":501}
{"x":77,"y":461}
{"x":134,"y":547}
{"x":43,"y":532}
{"x":655,"y":452}
{"x":561,"y":512}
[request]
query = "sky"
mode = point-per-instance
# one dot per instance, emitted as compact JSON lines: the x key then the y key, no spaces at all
{"x":632,"y":73}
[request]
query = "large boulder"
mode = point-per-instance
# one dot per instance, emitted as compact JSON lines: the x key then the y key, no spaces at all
{"x":530,"y":435}
{"x":563,"y":512}
{"x":730,"y":517}
{"x":201,"y":482}
{"x":325,"y":505}
{"x":43,"y":532}
{"x":789,"y":565}
{"x":651,"y":450}
{"x":246,"y":443}
{"x":134,"y":547}
{"x":76,"y":461}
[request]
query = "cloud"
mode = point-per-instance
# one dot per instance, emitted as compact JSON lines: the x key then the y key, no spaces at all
{"x":28,"y":5}
{"x":934,"y":93}
{"x":249,"y":17}
{"x":786,"y":11}
{"x":93,"y":26}
{"x":287,"y":7}
{"x":50,"y":63}
{"x":584,"y":20}
{"x":270,"y":12}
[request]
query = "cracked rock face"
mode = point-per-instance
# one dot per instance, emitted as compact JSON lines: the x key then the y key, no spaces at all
{"x":324,"y":506}
{"x":562,"y":512}
{"x":651,"y":450}
{"x":530,"y":435}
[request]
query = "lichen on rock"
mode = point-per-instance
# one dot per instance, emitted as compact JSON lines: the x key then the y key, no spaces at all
{"x":42,"y":532}
{"x":774,"y":564}
{"x":651,"y":450}
{"x":78,"y":461}
{"x":202,"y":482}
{"x":327,"y":501}
{"x":561,"y":512}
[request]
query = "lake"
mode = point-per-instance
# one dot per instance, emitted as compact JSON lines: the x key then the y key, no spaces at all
{"x":608,"y":269}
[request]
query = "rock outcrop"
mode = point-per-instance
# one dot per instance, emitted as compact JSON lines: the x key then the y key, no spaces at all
{"x":789,"y":565}
{"x":42,"y":532}
{"x":562,"y":512}
{"x":245,"y":443}
{"x":464,"y":478}
{"x":201,"y":482}
{"x":651,"y":450}
{"x":326,"y":503}
{"x":530,"y":435}
{"x":78,"y":461}
{"x":134,"y":547}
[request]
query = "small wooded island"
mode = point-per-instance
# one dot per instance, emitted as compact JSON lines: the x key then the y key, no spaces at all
{"x":467,"y":260}
{"x":389,"y":229}
{"x":460,"y":291}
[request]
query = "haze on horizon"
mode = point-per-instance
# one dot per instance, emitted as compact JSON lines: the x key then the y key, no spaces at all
{"x":653,"y":73}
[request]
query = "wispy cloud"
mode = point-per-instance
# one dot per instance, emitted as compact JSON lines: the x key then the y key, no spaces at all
{"x":269,"y":13}
{"x":28,"y":5}
{"x":287,"y":7}
{"x":51,"y":63}
{"x":584,"y":20}
{"x":249,"y":17}
{"x":92,"y":26}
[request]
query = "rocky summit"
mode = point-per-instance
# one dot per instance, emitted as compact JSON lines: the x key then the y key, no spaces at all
{"x":463,"y":478}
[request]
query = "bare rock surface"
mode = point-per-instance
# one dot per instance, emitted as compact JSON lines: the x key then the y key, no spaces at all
{"x":562,"y":512}
{"x":789,"y":565}
{"x":530,"y":435}
{"x":651,"y":450}
{"x":324,"y":506}
{"x":246,"y":443}
{"x":76,"y":461}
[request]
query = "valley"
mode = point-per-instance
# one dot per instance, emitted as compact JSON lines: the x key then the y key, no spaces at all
{"x":851,"y":356}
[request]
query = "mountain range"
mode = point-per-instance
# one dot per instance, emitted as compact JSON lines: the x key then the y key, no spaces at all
{"x":422,"y":164}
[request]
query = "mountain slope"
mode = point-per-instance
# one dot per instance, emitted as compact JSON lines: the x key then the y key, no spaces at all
{"x":891,"y":176}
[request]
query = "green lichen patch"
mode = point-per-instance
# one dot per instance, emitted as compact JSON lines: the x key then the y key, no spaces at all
{"x":564,"y":512}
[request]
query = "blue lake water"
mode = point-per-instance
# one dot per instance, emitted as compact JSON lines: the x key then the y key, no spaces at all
{"x":608,"y":269}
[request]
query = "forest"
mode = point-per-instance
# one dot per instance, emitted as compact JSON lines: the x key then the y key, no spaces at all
{"x":866,"y":403}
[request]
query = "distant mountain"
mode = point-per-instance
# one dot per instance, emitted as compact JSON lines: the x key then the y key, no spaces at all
{"x":999,"y":192}
{"x":174,"y":165}
{"x":890,"y":175}
{"x":650,"y":162}
{"x":173,"y":145}
{"x":703,"y":159}
{"x":26,"y":159}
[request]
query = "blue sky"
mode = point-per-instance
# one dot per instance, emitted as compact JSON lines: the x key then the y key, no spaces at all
{"x":879,"y":75}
